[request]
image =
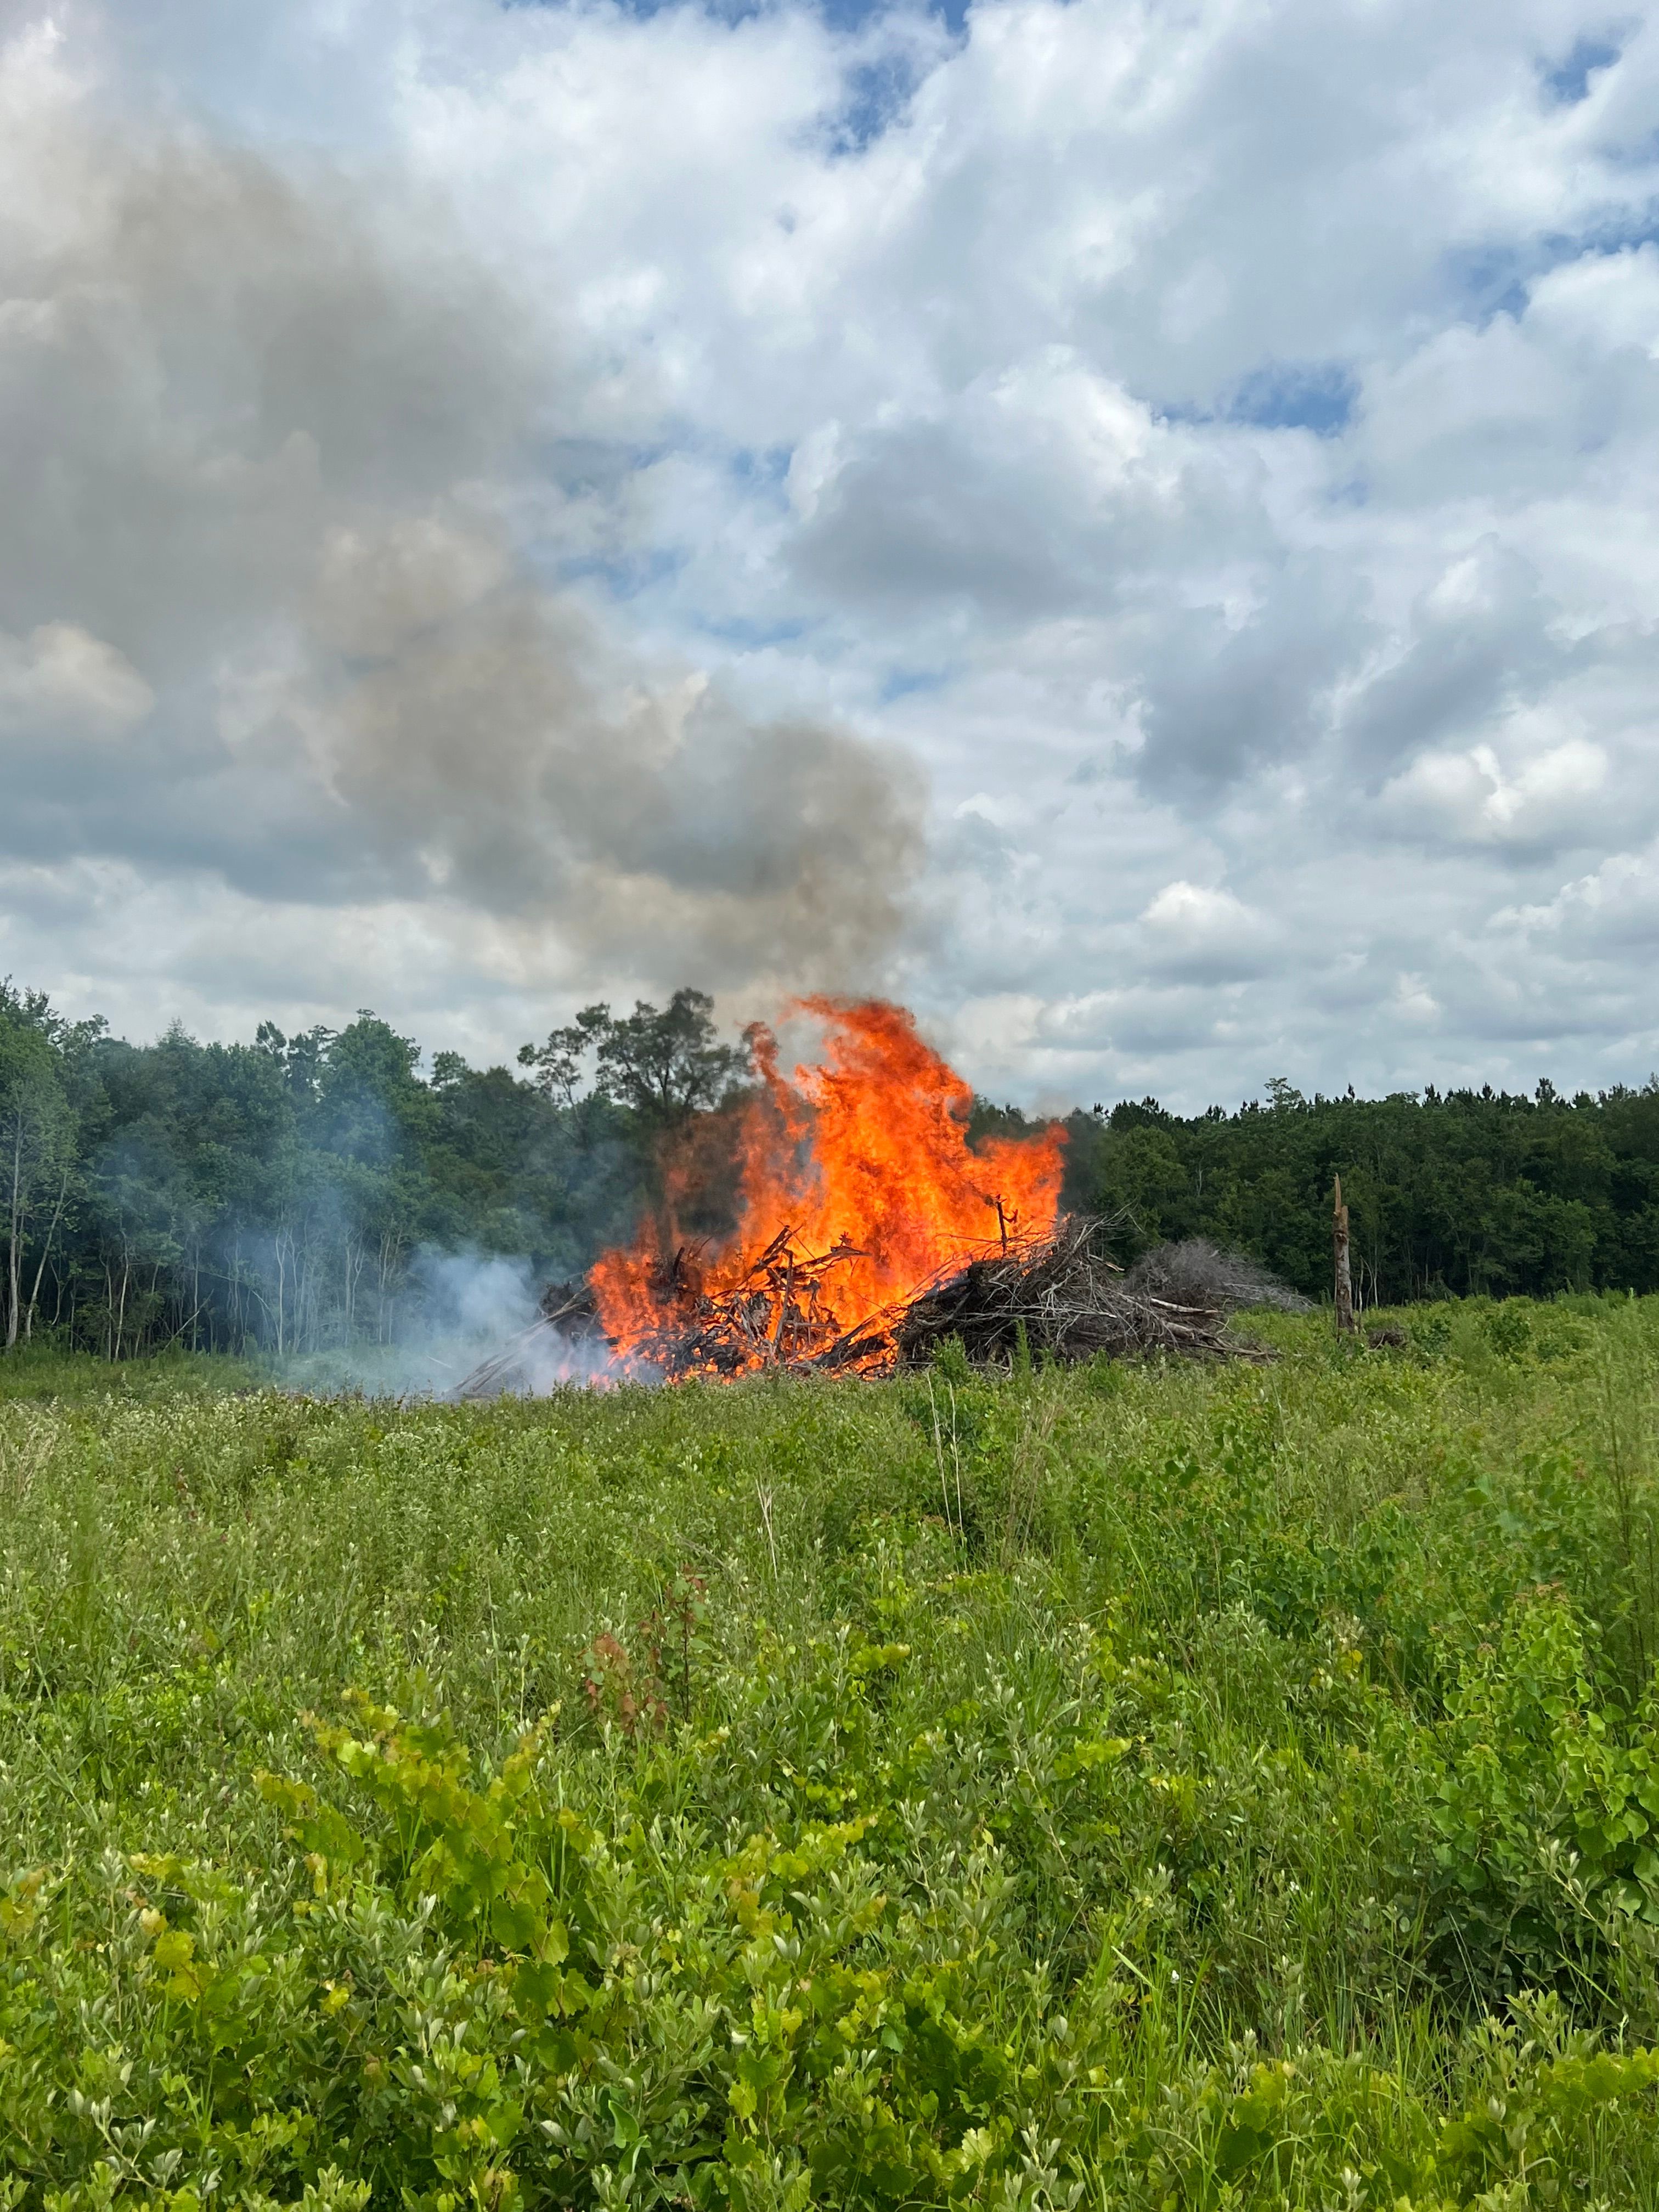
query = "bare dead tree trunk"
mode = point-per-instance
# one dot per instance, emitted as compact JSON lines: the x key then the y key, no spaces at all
{"x":355,"y":1257}
{"x":51,"y":1231}
{"x":280,"y":1252}
{"x":14,"y":1244}
{"x":391,"y":1252}
{"x":1345,"y":1319}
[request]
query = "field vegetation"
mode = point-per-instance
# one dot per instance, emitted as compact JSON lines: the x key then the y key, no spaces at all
{"x":1151,"y":1786}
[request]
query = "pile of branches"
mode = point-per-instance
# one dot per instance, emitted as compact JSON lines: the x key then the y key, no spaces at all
{"x":1066,"y":1298}
{"x":1195,"y":1273}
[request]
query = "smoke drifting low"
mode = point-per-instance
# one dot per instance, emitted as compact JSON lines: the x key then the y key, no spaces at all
{"x":268,"y":602}
{"x":457,"y":1310}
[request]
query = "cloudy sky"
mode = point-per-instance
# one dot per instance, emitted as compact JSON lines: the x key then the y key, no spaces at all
{"x":1132,"y":525}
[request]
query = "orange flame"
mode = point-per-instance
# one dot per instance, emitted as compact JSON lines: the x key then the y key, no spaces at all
{"x":857,"y":1188}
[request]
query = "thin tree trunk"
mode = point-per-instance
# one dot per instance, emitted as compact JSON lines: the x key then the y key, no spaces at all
{"x":1345,"y":1319}
{"x":13,"y":1248}
{"x":282,"y":1286}
{"x":51,"y":1230}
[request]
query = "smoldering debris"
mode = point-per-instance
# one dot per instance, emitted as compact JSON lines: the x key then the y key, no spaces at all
{"x":564,"y":1347}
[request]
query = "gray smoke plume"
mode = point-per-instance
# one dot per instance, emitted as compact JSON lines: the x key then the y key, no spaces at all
{"x":489,"y":729}
{"x":266,"y":608}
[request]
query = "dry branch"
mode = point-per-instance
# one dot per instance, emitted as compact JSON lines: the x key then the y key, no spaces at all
{"x":1195,"y":1273}
{"x":566,"y":1329}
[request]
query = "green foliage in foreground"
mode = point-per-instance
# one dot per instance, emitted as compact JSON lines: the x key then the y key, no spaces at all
{"x":1148,"y":1787}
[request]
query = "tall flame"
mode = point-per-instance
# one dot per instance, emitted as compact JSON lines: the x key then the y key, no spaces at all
{"x":857,"y":1188}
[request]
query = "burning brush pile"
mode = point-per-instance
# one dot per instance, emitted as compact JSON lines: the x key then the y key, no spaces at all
{"x":869,"y":1230}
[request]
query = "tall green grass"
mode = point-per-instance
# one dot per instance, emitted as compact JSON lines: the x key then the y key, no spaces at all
{"x":1144,"y":1786}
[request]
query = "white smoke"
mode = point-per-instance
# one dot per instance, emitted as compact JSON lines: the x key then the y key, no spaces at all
{"x":460,"y":1310}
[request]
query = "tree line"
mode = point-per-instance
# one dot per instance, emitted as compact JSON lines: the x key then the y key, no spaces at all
{"x":279,"y":1195}
{"x":1460,"y":1193}
{"x":285,"y":1195}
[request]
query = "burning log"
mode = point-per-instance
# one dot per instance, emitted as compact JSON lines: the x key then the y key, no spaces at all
{"x":776,"y":1313}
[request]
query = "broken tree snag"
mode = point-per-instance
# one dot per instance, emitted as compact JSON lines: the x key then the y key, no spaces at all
{"x":1345,"y":1319}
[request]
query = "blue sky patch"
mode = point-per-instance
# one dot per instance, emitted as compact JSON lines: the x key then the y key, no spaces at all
{"x":1498,"y":280}
{"x":624,"y":578}
{"x":874,"y":95}
{"x":762,"y":468}
{"x":907,"y":683}
{"x":586,"y":467}
{"x":750,"y":636}
{"x":1568,"y":81}
{"x":839,"y":15}
{"x":1296,"y":395}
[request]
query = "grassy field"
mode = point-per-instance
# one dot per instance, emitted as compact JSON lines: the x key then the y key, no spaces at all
{"x":1157,"y":1786}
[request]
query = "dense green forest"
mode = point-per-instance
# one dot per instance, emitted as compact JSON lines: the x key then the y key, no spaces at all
{"x":288,"y":1194}
{"x":1460,"y":1194}
{"x":279,"y":1193}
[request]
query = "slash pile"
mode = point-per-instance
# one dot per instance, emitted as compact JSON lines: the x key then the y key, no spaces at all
{"x":1195,"y":1273}
{"x":1061,"y":1296}
{"x":1064,"y":1298}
